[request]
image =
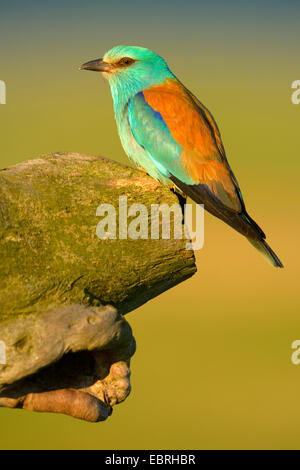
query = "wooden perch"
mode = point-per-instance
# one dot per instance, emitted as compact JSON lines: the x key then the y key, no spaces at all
{"x":72,"y":360}
{"x":63,"y":290}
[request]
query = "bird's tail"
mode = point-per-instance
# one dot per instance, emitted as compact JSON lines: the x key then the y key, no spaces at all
{"x":240,"y":221}
{"x":266,"y":251}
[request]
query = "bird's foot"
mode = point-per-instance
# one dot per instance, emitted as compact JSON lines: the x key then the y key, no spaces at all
{"x":181,"y":198}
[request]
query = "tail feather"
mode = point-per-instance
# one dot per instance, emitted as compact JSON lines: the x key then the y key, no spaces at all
{"x":266,"y":251}
{"x":240,"y":221}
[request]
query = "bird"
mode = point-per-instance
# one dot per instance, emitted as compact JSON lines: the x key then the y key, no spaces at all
{"x":165,"y":130}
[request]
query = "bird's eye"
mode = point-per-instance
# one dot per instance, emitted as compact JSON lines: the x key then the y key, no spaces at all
{"x":125,"y":61}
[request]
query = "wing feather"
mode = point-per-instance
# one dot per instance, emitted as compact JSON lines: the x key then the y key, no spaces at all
{"x":181,"y":136}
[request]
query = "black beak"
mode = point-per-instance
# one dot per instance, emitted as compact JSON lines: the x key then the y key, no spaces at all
{"x":97,"y":65}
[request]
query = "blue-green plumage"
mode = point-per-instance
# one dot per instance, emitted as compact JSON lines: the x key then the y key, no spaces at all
{"x":168,"y":132}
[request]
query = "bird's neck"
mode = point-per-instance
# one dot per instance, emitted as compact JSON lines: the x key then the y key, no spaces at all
{"x":123,"y":91}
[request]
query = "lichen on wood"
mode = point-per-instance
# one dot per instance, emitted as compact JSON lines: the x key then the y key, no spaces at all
{"x":49,"y":251}
{"x":63,"y":291}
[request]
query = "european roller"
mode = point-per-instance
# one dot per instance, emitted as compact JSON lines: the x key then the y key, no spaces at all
{"x":168,"y":132}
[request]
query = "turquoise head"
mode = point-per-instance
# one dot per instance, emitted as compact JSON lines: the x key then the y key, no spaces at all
{"x":129,"y":70}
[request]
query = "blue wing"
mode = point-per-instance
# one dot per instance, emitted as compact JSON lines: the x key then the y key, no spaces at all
{"x":152,"y":133}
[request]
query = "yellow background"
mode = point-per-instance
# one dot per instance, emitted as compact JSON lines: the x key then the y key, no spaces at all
{"x":213,"y":363}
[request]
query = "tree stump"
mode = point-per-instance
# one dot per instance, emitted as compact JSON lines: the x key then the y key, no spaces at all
{"x":63,"y":291}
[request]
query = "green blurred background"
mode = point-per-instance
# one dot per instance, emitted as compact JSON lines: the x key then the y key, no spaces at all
{"x":213,"y":363}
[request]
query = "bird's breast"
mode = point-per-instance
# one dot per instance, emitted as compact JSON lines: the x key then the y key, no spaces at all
{"x":135,"y":151}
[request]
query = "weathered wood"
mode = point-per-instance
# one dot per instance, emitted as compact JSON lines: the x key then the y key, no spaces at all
{"x":62,"y":290}
{"x":73,"y":360}
{"x":50,"y":254}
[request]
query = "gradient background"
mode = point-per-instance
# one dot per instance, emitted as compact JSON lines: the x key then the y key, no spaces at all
{"x":213,"y":363}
